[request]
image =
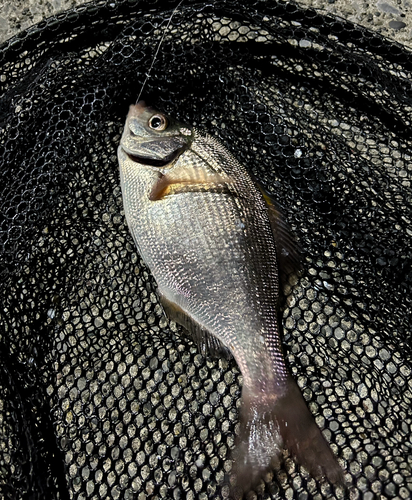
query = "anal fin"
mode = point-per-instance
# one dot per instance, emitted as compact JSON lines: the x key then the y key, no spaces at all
{"x":207,"y":342}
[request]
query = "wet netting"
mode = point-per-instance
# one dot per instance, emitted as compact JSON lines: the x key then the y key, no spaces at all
{"x":101,"y":397}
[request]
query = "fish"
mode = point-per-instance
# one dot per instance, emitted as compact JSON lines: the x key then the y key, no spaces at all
{"x":214,"y":242}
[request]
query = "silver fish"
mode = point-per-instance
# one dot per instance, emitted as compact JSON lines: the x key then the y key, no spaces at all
{"x":205,"y":230}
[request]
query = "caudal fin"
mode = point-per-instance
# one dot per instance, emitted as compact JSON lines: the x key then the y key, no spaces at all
{"x":269,"y":424}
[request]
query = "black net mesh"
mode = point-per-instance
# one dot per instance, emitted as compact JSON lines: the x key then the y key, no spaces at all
{"x":100,"y":396}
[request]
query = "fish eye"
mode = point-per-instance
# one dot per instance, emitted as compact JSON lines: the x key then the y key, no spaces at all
{"x":158,"y":122}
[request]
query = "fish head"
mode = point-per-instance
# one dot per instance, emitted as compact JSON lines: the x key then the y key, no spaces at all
{"x":153,"y":138}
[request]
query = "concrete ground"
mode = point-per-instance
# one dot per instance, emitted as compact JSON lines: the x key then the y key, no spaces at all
{"x":392,"y":18}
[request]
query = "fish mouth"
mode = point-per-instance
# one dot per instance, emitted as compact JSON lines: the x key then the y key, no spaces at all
{"x":155,"y":162}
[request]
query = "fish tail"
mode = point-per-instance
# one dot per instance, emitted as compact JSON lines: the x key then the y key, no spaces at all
{"x":268,"y":424}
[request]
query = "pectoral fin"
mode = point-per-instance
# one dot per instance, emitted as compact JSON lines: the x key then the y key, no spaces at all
{"x":181,"y":182}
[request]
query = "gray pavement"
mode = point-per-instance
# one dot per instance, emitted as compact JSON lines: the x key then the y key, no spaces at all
{"x":392,"y":18}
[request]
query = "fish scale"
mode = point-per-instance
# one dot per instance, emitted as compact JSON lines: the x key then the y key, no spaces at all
{"x":204,"y":230}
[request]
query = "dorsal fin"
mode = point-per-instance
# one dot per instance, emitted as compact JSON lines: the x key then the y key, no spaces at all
{"x":287,"y":249}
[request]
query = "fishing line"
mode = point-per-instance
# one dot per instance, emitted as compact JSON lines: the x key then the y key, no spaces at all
{"x":158,"y":48}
